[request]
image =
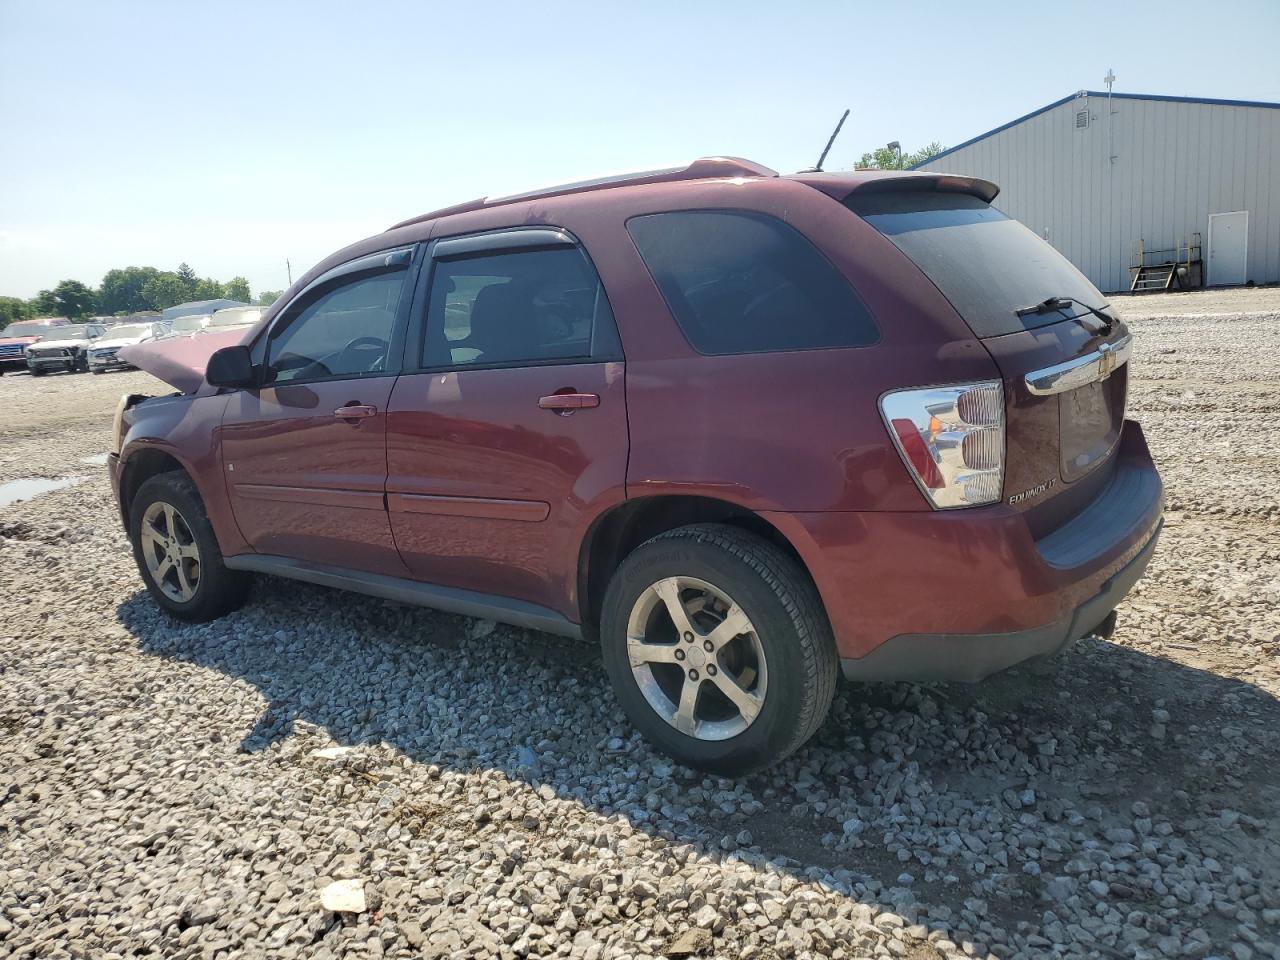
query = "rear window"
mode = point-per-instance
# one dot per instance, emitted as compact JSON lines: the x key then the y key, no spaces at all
{"x":986,"y":264}
{"x":741,"y":282}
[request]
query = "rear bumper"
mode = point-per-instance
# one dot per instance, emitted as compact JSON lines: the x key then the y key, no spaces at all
{"x":961,"y":594}
{"x":973,"y":657}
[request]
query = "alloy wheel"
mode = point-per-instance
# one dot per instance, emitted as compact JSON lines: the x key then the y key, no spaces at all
{"x":170,"y":550}
{"x":697,"y":658}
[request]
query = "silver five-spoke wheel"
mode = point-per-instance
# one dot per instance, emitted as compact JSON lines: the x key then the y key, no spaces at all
{"x":697,"y":658}
{"x":170,"y":550}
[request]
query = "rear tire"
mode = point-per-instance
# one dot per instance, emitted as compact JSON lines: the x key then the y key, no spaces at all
{"x":177,"y":552}
{"x":757,"y":696}
{"x":37,"y":372}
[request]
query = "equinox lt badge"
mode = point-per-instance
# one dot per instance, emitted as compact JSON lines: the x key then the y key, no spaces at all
{"x":1033,"y":492}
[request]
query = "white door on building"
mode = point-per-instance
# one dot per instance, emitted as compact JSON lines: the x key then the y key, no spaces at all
{"x":1228,"y":247}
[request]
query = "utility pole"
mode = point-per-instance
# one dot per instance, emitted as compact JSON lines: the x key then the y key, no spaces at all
{"x":289,"y":269}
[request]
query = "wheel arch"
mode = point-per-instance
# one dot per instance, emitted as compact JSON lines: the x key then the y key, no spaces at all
{"x":622,"y":528}
{"x":139,"y":466}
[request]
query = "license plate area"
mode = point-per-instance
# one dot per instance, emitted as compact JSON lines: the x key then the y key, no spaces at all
{"x":1090,"y":418}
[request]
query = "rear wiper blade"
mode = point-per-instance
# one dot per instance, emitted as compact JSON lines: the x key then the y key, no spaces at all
{"x":1061,"y":303}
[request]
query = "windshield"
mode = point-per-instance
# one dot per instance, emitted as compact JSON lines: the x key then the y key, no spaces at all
{"x":187,"y":324}
{"x":128,"y":332}
{"x":31,"y":330}
{"x":986,"y":264}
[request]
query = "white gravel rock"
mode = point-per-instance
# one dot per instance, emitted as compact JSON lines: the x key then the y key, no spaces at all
{"x":344,"y":896}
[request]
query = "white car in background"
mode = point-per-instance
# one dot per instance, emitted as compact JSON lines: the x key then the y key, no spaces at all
{"x":67,"y":349}
{"x":230,"y":317}
{"x":192,"y":323}
{"x":102,"y":355}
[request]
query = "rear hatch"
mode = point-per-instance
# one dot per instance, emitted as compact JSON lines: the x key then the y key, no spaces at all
{"x":1065,"y":379}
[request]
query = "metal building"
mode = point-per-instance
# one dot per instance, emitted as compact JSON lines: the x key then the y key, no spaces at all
{"x":1138,"y":191}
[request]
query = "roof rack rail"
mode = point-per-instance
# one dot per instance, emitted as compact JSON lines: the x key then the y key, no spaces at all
{"x":704,"y":168}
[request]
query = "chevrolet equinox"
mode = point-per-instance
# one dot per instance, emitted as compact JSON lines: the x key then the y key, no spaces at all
{"x":748,"y":432}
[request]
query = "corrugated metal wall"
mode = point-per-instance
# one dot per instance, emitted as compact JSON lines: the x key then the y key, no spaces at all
{"x":1175,"y":163}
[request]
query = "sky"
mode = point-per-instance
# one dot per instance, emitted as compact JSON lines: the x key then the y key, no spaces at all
{"x":235,"y":136}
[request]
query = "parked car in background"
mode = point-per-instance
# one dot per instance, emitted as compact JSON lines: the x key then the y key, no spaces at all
{"x":67,"y":350}
{"x":196,"y":308}
{"x":17,"y":337}
{"x":232,"y":317}
{"x":188,"y":324}
{"x":102,"y":355}
{"x":747,"y":431}
{"x":228,"y":318}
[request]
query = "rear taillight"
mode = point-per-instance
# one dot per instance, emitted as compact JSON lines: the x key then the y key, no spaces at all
{"x":952,"y":440}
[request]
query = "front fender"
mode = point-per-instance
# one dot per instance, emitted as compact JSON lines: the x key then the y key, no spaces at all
{"x":182,"y":428}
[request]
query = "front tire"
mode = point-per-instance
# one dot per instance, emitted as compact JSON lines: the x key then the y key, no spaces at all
{"x":718,"y":648}
{"x":177,"y":552}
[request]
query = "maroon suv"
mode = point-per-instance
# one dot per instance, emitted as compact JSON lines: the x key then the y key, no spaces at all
{"x":746,"y":431}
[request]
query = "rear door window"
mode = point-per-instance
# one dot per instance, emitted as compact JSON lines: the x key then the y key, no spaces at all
{"x":986,"y":264}
{"x":518,"y":308}
{"x":744,"y":282}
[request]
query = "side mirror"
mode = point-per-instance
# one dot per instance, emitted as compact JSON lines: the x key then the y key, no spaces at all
{"x":230,"y":367}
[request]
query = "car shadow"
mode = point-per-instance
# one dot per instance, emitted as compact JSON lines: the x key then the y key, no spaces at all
{"x":1076,"y":744}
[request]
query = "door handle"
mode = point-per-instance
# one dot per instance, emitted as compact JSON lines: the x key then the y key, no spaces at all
{"x":355,"y":411}
{"x":565,"y":403}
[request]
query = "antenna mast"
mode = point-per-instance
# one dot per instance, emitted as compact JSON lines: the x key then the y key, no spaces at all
{"x":817,"y":168}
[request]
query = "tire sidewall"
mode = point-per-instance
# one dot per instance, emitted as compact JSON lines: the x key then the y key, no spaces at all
{"x":773,"y":728}
{"x":175,"y":491}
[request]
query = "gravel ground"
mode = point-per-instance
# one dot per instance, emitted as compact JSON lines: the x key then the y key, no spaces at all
{"x":193,"y":791}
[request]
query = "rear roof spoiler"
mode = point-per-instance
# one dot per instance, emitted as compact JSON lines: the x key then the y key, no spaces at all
{"x":842,"y":185}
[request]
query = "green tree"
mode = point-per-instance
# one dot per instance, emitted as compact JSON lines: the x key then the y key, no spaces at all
{"x":237,"y":288}
{"x":164,"y":290}
{"x":267,"y":297}
{"x":74,"y":300}
{"x":121,"y":289}
{"x":43,"y":304}
{"x":11,"y":309}
{"x":188,"y":278}
{"x":886,"y":158}
{"x":206,"y":289}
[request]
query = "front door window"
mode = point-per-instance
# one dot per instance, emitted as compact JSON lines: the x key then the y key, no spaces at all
{"x":344,"y":333}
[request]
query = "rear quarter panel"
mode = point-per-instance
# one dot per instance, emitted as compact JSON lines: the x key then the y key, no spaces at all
{"x":796,"y":431}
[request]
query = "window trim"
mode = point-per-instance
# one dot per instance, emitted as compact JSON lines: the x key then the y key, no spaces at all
{"x":401,"y":258}
{"x":488,"y":243}
{"x":519,"y":239}
{"x":751,"y":211}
